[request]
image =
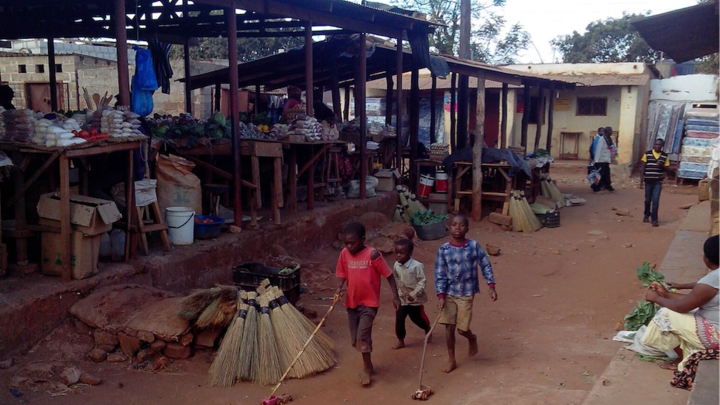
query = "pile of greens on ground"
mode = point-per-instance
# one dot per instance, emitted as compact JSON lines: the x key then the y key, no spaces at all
{"x":644,"y":311}
{"x":428,"y":217}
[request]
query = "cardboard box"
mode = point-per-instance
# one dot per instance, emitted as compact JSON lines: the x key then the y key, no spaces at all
{"x":91,"y":216}
{"x":386,"y":179}
{"x":83,"y":255}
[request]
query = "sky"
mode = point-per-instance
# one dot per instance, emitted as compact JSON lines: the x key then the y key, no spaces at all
{"x":547,"y":19}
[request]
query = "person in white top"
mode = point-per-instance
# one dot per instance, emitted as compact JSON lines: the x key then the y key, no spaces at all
{"x":602,"y":159}
{"x":678,"y":326}
{"x":410,"y":279}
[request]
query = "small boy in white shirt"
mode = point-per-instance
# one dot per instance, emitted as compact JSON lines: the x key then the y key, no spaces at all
{"x":410,"y":279}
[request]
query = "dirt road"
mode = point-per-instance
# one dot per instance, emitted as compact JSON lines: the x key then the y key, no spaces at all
{"x":545,"y":341}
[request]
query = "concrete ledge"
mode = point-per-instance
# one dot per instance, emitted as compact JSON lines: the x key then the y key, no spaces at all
{"x":705,"y":388}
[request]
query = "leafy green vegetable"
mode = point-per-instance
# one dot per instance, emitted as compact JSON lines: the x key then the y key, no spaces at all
{"x":429,"y":217}
{"x":648,"y":275}
{"x":651,"y":359}
{"x":640,"y":315}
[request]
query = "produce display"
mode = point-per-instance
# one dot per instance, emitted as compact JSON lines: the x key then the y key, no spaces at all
{"x":118,"y":124}
{"x":19,"y":125}
{"x":185,"y":126}
{"x":644,"y":311}
{"x":56,"y":132}
{"x":429,"y":217}
{"x":306,"y":126}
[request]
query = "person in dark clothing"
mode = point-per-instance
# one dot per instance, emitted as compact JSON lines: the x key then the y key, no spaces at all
{"x":602,"y":159}
{"x":654,"y":164}
{"x":6,"y":96}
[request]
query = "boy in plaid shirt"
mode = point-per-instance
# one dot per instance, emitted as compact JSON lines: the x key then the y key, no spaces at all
{"x":456,"y":283}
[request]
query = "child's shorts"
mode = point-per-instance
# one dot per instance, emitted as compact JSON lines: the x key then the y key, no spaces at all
{"x":458,"y":312}
{"x":361,"y":322}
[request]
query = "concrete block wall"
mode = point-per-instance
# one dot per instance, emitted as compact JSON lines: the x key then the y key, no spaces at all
{"x":10,"y":69}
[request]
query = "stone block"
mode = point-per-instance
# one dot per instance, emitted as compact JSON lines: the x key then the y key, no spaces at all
{"x":208,"y":337}
{"x":97,"y":355}
{"x":500,"y":219}
{"x":177,"y":351}
{"x":105,"y":338}
{"x":116,"y":358}
{"x":128,"y":344}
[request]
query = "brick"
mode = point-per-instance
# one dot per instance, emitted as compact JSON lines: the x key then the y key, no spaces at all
{"x":177,"y":351}
{"x":208,"y":337}
{"x":128,"y":344}
{"x":90,"y":379}
{"x":186,"y":339}
{"x":158,"y":346}
{"x":500,"y":219}
{"x":107,"y":348}
{"x":116,"y":358}
{"x":97,"y":355}
{"x":105,"y":338}
{"x":70,"y":375}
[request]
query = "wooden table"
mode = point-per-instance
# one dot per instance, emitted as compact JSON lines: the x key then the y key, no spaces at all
{"x":315,"y":150}
{"x":434,"y":164}
{"x":255,"y":149}
{"x":24,"y":154}
{"x":461,"y":168}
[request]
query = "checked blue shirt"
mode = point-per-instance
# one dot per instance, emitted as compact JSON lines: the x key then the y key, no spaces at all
{"x":456,"y":269}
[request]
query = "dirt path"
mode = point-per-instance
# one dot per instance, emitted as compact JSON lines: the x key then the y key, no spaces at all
{"x":545,"y":341}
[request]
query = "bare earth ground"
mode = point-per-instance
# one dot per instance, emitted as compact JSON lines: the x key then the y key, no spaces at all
{"x":545,"y":341}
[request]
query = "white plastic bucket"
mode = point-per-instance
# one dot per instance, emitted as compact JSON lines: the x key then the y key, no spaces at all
{"x":180,"y":225}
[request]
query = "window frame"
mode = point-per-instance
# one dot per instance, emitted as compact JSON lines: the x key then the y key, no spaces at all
{"x":592,"y":105}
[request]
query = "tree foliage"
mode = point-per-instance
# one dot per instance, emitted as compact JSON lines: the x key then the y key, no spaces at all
{"x":609,"y":40}
{"x":490,"y":42}
{"x":249,"y":49}
{"x":708,"y":65}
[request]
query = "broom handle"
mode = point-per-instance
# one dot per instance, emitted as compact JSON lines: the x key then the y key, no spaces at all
{"x":317,"y":328}
{"x":427,"y":336}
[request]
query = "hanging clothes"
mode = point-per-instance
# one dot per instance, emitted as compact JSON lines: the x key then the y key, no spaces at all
{"x":160,"y":52}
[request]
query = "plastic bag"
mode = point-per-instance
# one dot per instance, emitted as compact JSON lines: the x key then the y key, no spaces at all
{"x":142,"y":101}
{"x":145,"y":73}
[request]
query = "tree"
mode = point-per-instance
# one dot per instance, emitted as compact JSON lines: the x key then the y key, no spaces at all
{"x":708,"y":65}
{"x":609,"y":40}
{"x":249,"y":49}
{"x":488,"y":42}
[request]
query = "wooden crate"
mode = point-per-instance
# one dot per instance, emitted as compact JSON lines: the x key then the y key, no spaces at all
{"x":260,"y":148}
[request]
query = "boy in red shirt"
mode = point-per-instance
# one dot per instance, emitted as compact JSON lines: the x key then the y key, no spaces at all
{"x":363,"y":268}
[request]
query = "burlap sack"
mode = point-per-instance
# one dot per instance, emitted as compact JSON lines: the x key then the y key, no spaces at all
{"x":177,"y":186}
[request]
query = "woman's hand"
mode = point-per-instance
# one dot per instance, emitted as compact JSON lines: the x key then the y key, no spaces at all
{"x":651,"y":295}
{"x":660,"y":289}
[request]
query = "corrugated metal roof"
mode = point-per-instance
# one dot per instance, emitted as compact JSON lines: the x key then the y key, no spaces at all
{"x":425,"y":83}
{"x":505,"y":71}
{"x":597,"y":80}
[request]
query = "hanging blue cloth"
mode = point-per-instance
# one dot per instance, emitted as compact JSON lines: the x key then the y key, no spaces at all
{"x":144,"y":83}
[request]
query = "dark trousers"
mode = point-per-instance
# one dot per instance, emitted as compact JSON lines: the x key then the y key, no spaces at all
{"x":652,"y":199}
{"x":416,"y":314}
{"x":605,"y":180}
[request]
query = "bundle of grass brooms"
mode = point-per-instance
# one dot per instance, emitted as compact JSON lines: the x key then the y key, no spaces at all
{"x":550,"y":190}
{"x":264,"y":334}
{"x":523,"y":217}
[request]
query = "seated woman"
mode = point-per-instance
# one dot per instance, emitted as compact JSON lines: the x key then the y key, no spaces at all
{"x":678,"y":326}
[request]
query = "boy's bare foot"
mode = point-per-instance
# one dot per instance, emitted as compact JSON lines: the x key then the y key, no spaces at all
{"x":452,"y":365}
{"x":473,"y":348}
{"x":366,"y":377}
{"x":399,"y":345}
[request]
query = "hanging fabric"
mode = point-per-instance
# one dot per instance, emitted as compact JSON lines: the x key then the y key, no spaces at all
{"x":160,"y":52}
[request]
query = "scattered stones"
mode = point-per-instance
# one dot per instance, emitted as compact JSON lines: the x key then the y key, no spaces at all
{"x":116,"y":358}
{"x":235,"y":229}
{"x":160,"y":364}
{"x":555,"y":252}
{"x":142,"y":356}
{"x":186,"y":339}
{"x":70,"y":375}
{"x":90,"y":379}
{"x":627,"y":245}
{"x":107,"y":348}
{"x":492,"y":250}
{"x":105,"y":338}
{"x":146,"y":336}
{"x":177,"y":351}
{"x":6,"y":364}
{"x":128,"y":344}
{"x":619,"y":327}
{"x":97,"y":355}
{"x":622,"y":212}
{"x":208,"y":337}
{"x":158,"y":346}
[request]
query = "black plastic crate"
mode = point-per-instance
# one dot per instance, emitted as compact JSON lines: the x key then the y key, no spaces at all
{"x":550,"y":220}
{"x":248,"y":276}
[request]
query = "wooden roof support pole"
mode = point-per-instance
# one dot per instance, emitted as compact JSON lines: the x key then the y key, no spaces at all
{"x":309,"y":71}
{"x":525,"y":118}
{"x":551,"y":106}
{"x":218,"y":96}
{"x":453,"y":111}
{"x":346,"y":112}
{"x":256,"y":104}
{"x":389,"y":93}
{"x":433,"y":118}
{"x":539,"y":115}
{"x":399,"y":102}
{"x":360,"y":112}
{"x":414,"y":120}
{"x":122,"y":54}
{"x":231,"y":21}
{"x":188,"y":77}
{"x":335,"y":89}
{"x":504,"y":121}
{"x":478,"y":148}
{"x":463,"y":110}
{"x":53,"y":74}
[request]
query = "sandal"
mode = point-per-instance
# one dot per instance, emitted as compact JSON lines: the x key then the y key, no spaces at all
{"x":668,"y":365}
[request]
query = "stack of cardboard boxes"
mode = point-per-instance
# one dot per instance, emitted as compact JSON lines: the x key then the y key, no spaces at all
{"x":90,"y":219}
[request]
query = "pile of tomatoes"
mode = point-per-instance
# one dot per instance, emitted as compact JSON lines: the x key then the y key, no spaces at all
{"x":204,"y":221}
{"x":92,"y":135}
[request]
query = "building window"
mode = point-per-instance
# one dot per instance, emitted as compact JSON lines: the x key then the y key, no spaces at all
{"x":58,"y":67}
{"x":39,"y":68}
{"x":22,"y":69}
{"x":534,"y":112}
{"x":591,"y":106}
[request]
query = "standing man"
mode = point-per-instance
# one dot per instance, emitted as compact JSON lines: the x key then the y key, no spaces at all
{"x":654,"y":164}
{"x":602,"y":160}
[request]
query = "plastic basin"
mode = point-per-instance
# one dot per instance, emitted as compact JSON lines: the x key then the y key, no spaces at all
{"x":208,"y":230}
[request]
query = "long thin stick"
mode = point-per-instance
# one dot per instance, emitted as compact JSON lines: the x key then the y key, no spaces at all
{"x":307,"y":343}
{"x":427,"y":336}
